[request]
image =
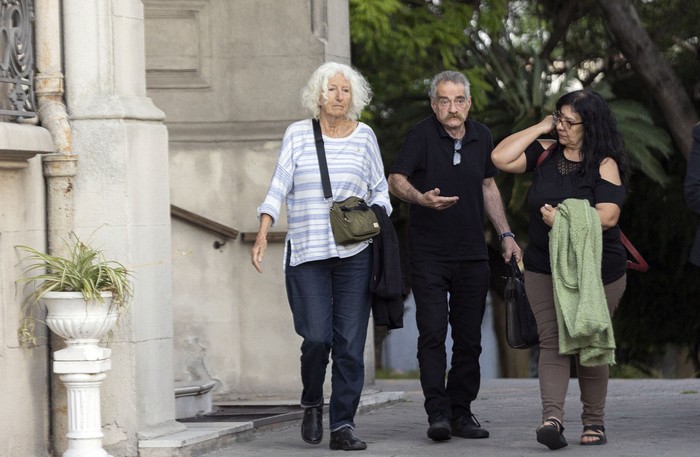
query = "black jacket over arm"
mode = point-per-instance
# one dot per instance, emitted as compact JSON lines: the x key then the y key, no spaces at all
{"x":386,"y":283}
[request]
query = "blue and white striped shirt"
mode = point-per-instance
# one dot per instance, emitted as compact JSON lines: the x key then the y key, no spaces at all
{"x":355,"y":169}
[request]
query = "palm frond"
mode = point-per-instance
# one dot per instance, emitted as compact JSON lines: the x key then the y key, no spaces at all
{"x":644,"y":140}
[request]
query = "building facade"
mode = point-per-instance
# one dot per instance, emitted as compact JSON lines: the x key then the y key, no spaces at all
{"x":153,"y":132}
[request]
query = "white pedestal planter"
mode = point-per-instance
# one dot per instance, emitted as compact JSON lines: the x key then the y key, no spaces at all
{"x":84,"y":423}
{"x":82,"y":364}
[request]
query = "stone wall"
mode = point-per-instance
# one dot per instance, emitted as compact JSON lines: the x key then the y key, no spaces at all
{"x":228,"y":74}
{"x":25,"y":420}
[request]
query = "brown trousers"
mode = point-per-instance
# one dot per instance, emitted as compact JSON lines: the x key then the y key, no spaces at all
{"x":554,"y":368}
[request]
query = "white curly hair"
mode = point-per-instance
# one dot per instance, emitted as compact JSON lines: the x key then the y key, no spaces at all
{"x":316,"y":91}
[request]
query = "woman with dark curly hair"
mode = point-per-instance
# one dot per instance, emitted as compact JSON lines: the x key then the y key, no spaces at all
{"x":582,"y":172}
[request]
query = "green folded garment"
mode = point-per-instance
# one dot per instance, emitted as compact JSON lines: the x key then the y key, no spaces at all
{"x":576,"y":251}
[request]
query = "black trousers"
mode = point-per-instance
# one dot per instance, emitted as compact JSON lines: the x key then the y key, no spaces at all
{"x":453,"y":292}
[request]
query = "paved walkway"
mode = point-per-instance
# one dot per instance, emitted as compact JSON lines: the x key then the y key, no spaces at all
{"x":644,"y":418}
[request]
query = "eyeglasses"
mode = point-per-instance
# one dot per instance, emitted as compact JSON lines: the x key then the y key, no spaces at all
{"x":557,"y":116}
{"x":460,"y":102}
{"x":457,"y":157}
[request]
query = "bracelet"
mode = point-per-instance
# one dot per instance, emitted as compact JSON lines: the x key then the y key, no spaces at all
{"x":505,"y":235}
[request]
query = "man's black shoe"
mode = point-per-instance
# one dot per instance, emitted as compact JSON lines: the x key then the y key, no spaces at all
{"x":439,"y":429}
{"x":346,"y":440}
{"x":312,"y":424}
{"x":468,"y":427}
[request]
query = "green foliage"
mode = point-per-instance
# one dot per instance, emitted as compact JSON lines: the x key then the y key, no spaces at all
{"x":391,"y":34}
{"x":669,"y":21}
{"x":371,"y":23}
{"x":662,"y":229}
{"x":86,"y":270}
{"x":527,"y":89}
{"x":399,"y":45}
{"x":643,"y":139}
{"x":520,"y":56}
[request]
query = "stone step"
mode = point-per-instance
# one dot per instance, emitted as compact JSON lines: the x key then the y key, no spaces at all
{"x":203,"y":437}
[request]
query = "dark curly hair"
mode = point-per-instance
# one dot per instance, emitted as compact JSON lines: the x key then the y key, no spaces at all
{"x":601,"y":138}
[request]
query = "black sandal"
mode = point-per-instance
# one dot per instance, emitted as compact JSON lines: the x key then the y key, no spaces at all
{"x":551,"y":434}
{"x":594,"y":431}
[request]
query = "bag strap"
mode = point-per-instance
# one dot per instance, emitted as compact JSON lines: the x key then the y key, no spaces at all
{"x":639,"y":264}
{"x":321,"y":153}
{"x":544,"y":154}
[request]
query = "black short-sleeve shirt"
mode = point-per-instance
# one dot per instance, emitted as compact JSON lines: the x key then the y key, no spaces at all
{"x":426,"y":158}
{"x":554,"y":180}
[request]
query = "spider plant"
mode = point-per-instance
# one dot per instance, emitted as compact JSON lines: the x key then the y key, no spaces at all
{"x":84,"y":270}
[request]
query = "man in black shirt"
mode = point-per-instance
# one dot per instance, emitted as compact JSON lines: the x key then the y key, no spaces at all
{"x":444,"y":171}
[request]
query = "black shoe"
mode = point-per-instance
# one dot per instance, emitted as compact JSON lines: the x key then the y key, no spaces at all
{"x":468,"y":427}
{"x":346,"y":440}
{"x":439,"y":429}
{"x":312,"y":424}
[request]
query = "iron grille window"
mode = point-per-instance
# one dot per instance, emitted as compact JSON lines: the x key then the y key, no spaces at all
{"x":17,"y":100}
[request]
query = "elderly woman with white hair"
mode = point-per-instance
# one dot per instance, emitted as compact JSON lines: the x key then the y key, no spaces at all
{"x":328,"y":285}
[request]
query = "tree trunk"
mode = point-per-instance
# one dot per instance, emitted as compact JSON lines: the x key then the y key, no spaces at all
{"x":623,"y":22}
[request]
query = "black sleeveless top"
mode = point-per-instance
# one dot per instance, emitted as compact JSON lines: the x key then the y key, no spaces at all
{"x":556,"y":179}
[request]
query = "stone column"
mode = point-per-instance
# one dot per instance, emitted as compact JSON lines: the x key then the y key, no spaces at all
{"x":121,"y":201}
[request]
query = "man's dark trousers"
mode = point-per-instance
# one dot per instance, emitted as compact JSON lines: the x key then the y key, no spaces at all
{"x":467,"y":284}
